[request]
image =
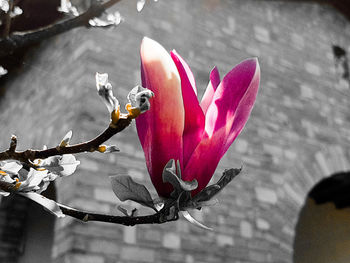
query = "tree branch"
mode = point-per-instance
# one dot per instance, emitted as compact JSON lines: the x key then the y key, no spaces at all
{"x":21,"y":39}
{"x":163,"y":216}
{"x":30,"y":155}
{"x":168,"y":213}
{"x":7,"y":20}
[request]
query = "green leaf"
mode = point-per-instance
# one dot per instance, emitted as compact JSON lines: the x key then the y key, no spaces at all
{"x":207,"y":193}
{"x":125,"y":188}
{"x":171,"y":176}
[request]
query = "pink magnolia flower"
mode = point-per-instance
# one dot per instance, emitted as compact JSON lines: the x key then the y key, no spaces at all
{"x":180,"y":127}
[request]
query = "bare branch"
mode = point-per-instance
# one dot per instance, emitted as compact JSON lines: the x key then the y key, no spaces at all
{"x":30,"y":155}
{"x":21,"y":39}
{"x":7,"y":20}
{"x":168,"y":213}
{"x":165,"y":215}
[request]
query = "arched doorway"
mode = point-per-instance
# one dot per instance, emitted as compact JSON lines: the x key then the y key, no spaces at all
{"x":323,"y":230}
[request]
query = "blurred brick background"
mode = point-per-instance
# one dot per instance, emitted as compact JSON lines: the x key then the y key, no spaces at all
{"x":298,"y":132}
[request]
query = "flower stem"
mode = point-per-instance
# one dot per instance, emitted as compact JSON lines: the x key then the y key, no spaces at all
{"x":158,"y":218}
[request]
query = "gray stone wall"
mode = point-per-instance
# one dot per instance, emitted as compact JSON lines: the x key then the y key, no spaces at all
{"x":297,"y":134}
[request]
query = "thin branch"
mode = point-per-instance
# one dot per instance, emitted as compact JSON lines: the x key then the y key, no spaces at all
{"x":30,"y":155}
{"x":21,"y":39}
{"x":163,"y":216}
{"x":7,"y":20}
{"x":13,"y":144}
{"x":168,"y":213}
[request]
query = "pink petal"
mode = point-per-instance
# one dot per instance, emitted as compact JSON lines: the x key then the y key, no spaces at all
{"x":226,"y":116}
{"x":194,"y":117}
{"x":186,"y":72}
{"x":244,"y":108}
{"x":160,"y":129}
{"x":202,"y":164}
{"x":209,"y":92}
{"x":234,"y":100}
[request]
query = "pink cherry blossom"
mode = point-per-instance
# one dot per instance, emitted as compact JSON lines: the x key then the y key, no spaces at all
{"x":180,"y":127}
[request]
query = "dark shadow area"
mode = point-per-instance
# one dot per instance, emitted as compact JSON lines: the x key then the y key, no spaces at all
{"x":322,"y":231}
{"x":335,"y":189}
{"x":26,"y":230}
{"x":36,"y":14}
{"x":13,"y":215}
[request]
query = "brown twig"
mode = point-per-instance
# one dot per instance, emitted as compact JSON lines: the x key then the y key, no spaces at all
{"x":13,"y":144}
{"x":7,"y":20}
{"x":166,"y":214}
{"x":163,"y":216}
{"x":30,"y":155}
{"x":21,"y":39}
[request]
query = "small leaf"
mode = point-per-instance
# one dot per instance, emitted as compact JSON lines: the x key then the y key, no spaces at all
{"x":111,"y":149}
{"x":48,"y":204}
{"x":115,"y":18}
{"x":11,"y":168}
{"x":61,"y":165}
{"x":170,"y":176}
{"x":140,"y":5}
{"x":207,"y":193}
{"x":139,"y":98}
{"x":97,"y":22}
{"x":3,"y":193}
{"x":158,"y":204}
{"x":104,"y":89}
{"x":66,"y":139}
{"x":126,"y":212}
{"x":123,"y":210}
{"x":110,"y":21}
{"x":32,"y":181}
{"x":228,"y":176}
{"x":134,"y":212}
{"x":172,"y":214}
{"x":69,"y":164}
{"x":67,"y":7}
{"x":183,"y":199}
{"x":125,"y":188}
{"x":190,"y":219}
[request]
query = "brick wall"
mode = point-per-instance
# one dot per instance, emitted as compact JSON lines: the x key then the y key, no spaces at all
{"x":297,"y":134}
{"x":13,"y":214}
